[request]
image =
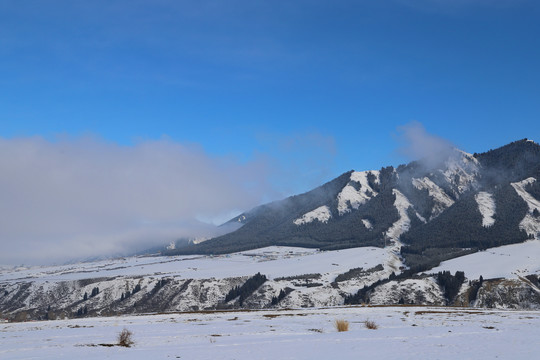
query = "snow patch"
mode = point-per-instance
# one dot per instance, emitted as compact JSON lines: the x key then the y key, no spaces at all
{"x":530,"y":223}
{"x":442,"y":200}
{"x":404,"y":222}
{"x":321,"y":214}
{"x":401,"y":226}
{"x":349,"y":198}
{"x":367,"y":224}
{"x":486,"y":206}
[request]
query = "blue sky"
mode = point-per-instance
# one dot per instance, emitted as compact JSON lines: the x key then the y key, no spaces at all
{"x":308,"y":89}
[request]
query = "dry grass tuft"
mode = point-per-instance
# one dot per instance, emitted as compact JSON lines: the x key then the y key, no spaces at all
{"x":342,"y":325}
{"x":124,"y":338}
{"x":371,"y":325}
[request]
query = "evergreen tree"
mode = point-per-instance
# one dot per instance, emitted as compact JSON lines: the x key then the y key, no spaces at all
{"x":136,"y":289}
{"x":282,"y":294}
{"x":450,"y":284}
{"x":248,"y":288}
{"x":95,"y":291}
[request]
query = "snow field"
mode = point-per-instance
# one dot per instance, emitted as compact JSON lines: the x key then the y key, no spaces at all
{"x":404,"y":333}
{"x":274,"y":261}
{"x":486,"y":206}
{"x":509,"y":261}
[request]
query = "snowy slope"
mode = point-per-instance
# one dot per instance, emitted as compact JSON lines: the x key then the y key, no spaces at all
{"x":273,"y":261}
{"x":486,"y":206}
{"x":192,"y":282}
{"x":403,"y":223}
{"x":441,"y":199}
{"x":462,"y":171}
{"x":394,"y":232}
{"x":412,"y":291}
{"x":321,"y":214}
{"x":351,"y":198}
{"x":530,"y":223}
{"x":507,"y":261}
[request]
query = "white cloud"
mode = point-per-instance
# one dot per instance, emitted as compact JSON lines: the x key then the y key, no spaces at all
{"x":79,"y":197}
{"x":417,"y":144}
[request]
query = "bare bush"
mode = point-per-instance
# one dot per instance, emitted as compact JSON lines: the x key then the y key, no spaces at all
{"x":371,"y":325}
{"x":125,"y":338}
{"x":342,"y":325}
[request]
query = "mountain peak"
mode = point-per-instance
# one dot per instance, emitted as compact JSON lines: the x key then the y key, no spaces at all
{"x":359,"y":208}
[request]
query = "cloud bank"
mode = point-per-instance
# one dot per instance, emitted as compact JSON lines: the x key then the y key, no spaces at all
{"x":83,"y":197}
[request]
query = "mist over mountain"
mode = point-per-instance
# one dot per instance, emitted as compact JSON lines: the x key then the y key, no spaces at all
{"x":433,"y":208}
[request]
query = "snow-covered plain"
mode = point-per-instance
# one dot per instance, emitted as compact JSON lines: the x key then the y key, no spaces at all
{"x":272,"y":261}
{"x":509,"y":261}
{"x":403,"y":333}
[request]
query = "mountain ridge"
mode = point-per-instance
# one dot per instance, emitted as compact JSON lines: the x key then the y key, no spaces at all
{"x":358,"y":208}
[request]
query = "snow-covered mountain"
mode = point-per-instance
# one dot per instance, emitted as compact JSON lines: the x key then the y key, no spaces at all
{"x":466,"y":201}
{"x":374,"y":236}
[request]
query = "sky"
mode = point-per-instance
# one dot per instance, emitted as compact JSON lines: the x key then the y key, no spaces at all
{"x":128,"y":123}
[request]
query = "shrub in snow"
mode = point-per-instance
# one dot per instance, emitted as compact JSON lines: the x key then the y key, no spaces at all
{"x":342,"y":325}
{"x":124,"y":338}
{"x":371,"y":325}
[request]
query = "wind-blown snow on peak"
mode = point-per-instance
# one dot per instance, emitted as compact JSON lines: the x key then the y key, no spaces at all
{"x":461,"y":170}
